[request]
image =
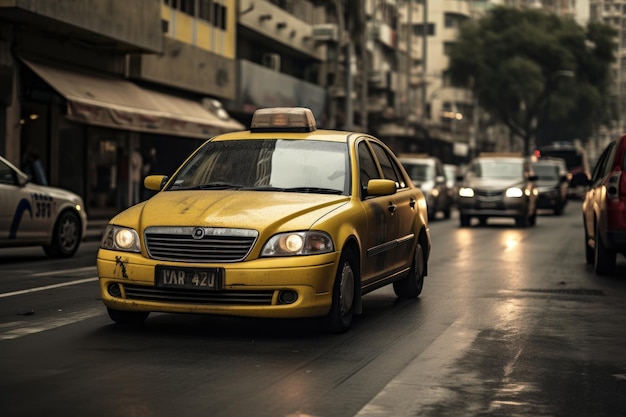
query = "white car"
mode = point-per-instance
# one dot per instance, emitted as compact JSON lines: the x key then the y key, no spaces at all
{"x":33,"y":215}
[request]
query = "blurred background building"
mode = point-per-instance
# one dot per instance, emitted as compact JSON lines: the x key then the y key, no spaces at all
{"x":104,"y":88}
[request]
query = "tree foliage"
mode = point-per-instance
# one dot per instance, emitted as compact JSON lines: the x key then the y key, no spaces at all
{"x":539,"y":74}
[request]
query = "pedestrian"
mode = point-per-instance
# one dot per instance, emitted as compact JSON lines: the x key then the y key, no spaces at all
{"x":136,"y":175}
{"x":31,"y":165}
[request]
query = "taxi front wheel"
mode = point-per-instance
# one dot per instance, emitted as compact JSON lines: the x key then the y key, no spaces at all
{"x":342,"y":310}
{"x":66,"y":236}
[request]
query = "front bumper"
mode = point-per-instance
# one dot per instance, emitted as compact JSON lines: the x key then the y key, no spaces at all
{"x":507,"y":207}
{"x":250,"y":288}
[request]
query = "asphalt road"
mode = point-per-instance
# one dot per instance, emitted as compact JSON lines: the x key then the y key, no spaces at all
{"x":512,"y":322}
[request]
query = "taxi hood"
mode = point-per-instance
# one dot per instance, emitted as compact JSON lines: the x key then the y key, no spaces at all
{"x":258,"y":210}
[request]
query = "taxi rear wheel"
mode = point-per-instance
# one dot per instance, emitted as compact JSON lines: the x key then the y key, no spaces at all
{"x":66,"y":236}
{"x":342,"y":310}
{"x":411,"y":286}
{"x":127,"y":317}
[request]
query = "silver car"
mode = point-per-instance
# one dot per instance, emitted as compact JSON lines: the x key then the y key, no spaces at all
{"x":498,"y":185}
{"x":38,"y":215}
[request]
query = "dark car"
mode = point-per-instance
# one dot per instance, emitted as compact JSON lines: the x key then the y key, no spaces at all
{"x":498,"y":185}
{"x":428,"y":174}
{"x":552,"y":184}
{"x":604,"y":209}
{"x":577,"y":165}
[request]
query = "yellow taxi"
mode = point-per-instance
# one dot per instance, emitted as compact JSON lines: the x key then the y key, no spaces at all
{"x":281,"y":221}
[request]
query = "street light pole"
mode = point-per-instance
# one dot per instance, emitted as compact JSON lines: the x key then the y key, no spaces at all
{"x":424,"y":57}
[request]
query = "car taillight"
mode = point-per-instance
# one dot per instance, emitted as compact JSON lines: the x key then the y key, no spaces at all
{"x":616,"y":185}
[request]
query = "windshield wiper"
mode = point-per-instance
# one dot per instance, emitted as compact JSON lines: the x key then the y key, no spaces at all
{"x":214,"y":186}
{"x":313,"y":190}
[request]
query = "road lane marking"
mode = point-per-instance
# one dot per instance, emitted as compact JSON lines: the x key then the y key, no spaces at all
{"x":49,"y":323}
{"x":423,"y":376}
{"x":65,"y":271}
{"x":48,"y":287}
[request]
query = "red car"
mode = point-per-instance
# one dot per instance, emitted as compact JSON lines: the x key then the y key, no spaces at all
{"x":604,"y":209}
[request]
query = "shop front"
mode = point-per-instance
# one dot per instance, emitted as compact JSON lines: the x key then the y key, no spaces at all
{"x":100,"y":135}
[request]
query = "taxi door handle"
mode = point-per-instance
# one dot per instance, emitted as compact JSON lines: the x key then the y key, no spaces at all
{"x":392,"y":208}
{"x":412,"y":203}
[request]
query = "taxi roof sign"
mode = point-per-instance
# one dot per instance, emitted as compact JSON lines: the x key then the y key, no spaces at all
{"x":283,"y":119}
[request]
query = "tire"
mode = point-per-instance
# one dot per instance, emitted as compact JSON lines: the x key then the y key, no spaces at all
{"x":465,"y":220}
{"x":411,"y":286}
{"x":604,"y":258}
{"x":532,"y":220}
{"x":521,"y":221}
{"x":447,"y":211}
{"x":132,"y":318}
{"x":342,"y":310}
{"x":589,"y":251}
{"x":66,"y":237}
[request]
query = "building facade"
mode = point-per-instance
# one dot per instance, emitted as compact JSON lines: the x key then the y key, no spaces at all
{"x":105,"y":104}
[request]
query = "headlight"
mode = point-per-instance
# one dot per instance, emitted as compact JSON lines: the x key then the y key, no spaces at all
{"x":298,"y":243}
{"x":120,"y":238}
{"x":514,"y":192}
{"x":466,"y":192}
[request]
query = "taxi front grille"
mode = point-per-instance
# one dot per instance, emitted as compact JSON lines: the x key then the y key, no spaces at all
{"x":143,"y":293}
{"x":214,"y":245}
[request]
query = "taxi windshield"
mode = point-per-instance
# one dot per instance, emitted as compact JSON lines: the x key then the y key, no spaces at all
{"x":267,"y":165}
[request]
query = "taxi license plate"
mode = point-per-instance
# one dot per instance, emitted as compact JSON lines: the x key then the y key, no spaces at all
{"x":209,"y":279}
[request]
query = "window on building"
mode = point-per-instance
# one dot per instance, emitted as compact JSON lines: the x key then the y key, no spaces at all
{"x":185,"y":6}
{"x":212,"y":12}
{"x":419,"y":29}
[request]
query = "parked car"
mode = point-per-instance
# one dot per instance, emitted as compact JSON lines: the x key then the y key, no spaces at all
{"x":428,"y":175}
{"x":39,"y":215}
{"x":283,"y":220}
{"x":577,"y":165}
{"x":604,"y":209}
{"x":552,"y":184}
{"x":498,"y":185}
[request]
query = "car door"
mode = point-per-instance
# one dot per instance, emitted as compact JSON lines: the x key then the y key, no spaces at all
{"x":401,"y":210}
{"x":18,"y":220}
{"x":594,"y":197}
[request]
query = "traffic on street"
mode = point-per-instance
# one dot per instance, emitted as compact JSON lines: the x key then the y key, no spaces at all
{"x":512,"y":321}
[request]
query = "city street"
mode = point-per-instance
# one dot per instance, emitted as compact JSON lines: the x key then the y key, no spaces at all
{"x":511,"y":322}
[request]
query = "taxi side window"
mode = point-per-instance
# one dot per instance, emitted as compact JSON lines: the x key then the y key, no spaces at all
{"x":390,"y":169}
{"x":367,"y":166}
{"x":6,"y":174}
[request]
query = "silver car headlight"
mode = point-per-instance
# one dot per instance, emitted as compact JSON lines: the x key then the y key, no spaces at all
{"x":514,"y":192}
{"x":120,"y":238}
{"x":298,"y":243}
{"x":466,"y":192}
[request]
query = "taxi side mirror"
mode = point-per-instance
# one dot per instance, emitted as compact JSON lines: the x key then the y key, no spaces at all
{"x":380,"y":187}
{"x":155,"y":182}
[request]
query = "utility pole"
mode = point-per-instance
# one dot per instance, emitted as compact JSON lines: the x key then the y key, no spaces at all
{"x":409,"y":30}
{"x":424,"y":57}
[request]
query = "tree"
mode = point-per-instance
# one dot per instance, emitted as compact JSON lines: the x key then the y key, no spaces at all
{"x":536,"y":72}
